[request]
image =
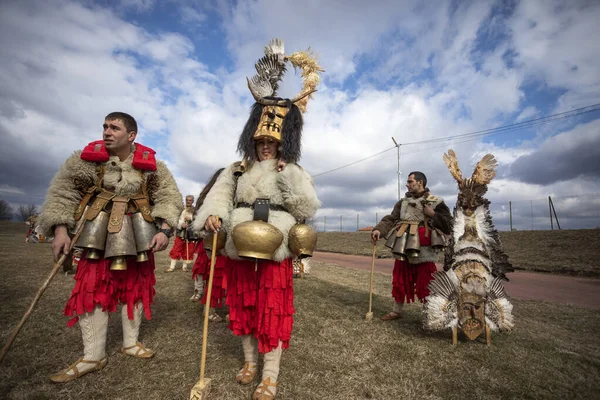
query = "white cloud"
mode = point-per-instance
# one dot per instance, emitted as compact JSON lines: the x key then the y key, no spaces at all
{"x":409,"y":70}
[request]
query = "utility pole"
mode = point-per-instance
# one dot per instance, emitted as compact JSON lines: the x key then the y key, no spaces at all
{"x":398,"y":148}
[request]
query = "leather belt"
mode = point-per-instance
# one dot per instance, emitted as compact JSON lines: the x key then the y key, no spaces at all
{"x":274,"y":207}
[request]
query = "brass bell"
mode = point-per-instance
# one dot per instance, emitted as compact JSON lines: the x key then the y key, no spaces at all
{"x":256,"y":239}
{"x":240,"y":168}
{"x":302,"y":240}
{"x":437,"y":240}
{"x":121,"y":244}
{"x":143,"y":232}
{"x":142,"y":256}
{"x":413,"y":246}
{"x":93,"y":235}
{"x":93,"y":254}
{"x":221,"y":240}
{"x":391,"y":239}
{"x":399,"y":249}
{"x":118,"y":264}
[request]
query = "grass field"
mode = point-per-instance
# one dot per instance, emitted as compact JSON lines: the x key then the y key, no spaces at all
{"x":568,"y":252}
{"x":554,"y":351}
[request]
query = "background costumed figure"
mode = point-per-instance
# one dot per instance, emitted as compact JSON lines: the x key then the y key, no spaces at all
{"x":260,"y":200}
{"x":468,"y":295}
{"x":185,"y":238}
{"x":120,"y":191}
{"x":415,"y":222}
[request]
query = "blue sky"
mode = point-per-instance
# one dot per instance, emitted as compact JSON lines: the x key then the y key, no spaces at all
{"x":413,"y":70}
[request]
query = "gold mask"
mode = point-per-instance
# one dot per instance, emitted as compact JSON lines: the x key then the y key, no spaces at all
{"x":271,"y":121}
{"x":471,"y":314}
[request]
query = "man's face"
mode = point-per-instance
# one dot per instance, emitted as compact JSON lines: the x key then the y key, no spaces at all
{"x":266,"y":148}
{"x":414,"y":186}
{"x":189,"y":201}
{"x":115,"y":135}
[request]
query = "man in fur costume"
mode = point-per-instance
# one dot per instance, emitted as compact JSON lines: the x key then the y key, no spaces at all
{"x":185,"y":242}
{"x":260,"y":292}
{"x":111,"y":183}
{"x":418,"y":213}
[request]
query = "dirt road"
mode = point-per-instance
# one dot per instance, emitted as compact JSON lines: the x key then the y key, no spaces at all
{"x":581,"y":292}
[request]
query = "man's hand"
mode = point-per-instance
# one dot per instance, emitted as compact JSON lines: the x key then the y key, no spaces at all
{"x":281,"y":165}
{"x":61,"y":242}
{"x":159,"y":242}
{"x":428,"y":210}
{"x":184,"y":225}
{"x":375,"y":236}
{"x":212,"y":224}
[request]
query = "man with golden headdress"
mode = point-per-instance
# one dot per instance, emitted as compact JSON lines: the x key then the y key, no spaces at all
{"x":120,"y":193}
{"x":258,"y":209}
{"x":414,"y":221}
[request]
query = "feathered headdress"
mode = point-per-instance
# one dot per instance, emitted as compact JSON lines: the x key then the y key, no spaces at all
{"x":285,"y":125}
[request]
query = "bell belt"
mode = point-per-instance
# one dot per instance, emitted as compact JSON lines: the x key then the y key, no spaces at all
{"x":273,"y":207}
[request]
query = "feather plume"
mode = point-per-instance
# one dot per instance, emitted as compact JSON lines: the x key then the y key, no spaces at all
{"x":484,"y":171}
{"x":307,"y":62}
{"x":452,"y":164}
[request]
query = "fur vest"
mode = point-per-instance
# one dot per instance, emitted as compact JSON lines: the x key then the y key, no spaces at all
{"x":411,"y":209}
{"x":291,"y":188}
{"x":77,"y":175}
{"x":187,"y":213}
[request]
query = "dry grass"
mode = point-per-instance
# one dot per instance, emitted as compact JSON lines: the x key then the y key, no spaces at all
{"x":334,"y":354}
{"x":568,"y":252}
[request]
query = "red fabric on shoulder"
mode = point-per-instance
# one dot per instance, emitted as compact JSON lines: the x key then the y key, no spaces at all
{"x":143,"y":158}
{"x":95,"y":152}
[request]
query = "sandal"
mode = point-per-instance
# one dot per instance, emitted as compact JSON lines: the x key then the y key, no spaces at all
{"x":196,"y":297}
{"x":63,"y":376}
{"x":392,"y":315}
{"x":246,"y":375}
{"x":263,"y":391}
{"x":214,"y":317}
{"x":142,"y":351}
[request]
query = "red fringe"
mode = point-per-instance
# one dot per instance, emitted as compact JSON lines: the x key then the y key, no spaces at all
{"x":219,"y":287}
{"x":410,"y":279}
{"x":202,"y":263}
{"x":261,"y":301}
{"x":178,"y":251}
{"x":97,"y":285}
{"x":202,"y":268}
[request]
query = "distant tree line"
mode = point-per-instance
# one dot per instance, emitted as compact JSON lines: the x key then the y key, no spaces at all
{"x":24,"y":211}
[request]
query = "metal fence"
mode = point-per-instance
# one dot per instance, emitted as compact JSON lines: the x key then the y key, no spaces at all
{"x":560,"y":212}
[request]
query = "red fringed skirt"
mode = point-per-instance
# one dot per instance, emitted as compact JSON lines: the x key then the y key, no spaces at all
{"x":202,"y":269}
{"x":410,"y":279}
{"x":261,"y":301}
{"x":178,"y":251}
{"x":97,"y":285}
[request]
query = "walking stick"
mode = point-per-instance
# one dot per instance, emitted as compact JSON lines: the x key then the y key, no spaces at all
{"x":202,"y":387}
{"x":41,"y":290}
{"x":369,"y":315}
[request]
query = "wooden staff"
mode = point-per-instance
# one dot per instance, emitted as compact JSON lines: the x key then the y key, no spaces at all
{"x":202,"y":387}
{"x":41,"y":290}
{"x":369,"y":315}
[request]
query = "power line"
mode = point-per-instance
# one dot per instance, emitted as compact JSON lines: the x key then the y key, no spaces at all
{"x":481,"y":133}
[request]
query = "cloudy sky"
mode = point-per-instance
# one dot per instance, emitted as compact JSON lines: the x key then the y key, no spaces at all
{"x":416,"y":71}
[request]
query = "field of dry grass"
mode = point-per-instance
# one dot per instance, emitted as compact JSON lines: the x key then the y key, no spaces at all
{"x":569,"y":252}
{"x":334,"y":354}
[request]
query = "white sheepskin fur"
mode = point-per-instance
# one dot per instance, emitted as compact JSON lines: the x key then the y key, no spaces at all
{"x":76,"y":175}
{"x":292,"y":188}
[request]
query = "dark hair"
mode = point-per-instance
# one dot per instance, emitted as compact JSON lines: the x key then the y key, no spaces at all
{"x":291,"y":133}
{"x":419,"y":176}
{"x":127,"y":120}
{"x":207,"y":188}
